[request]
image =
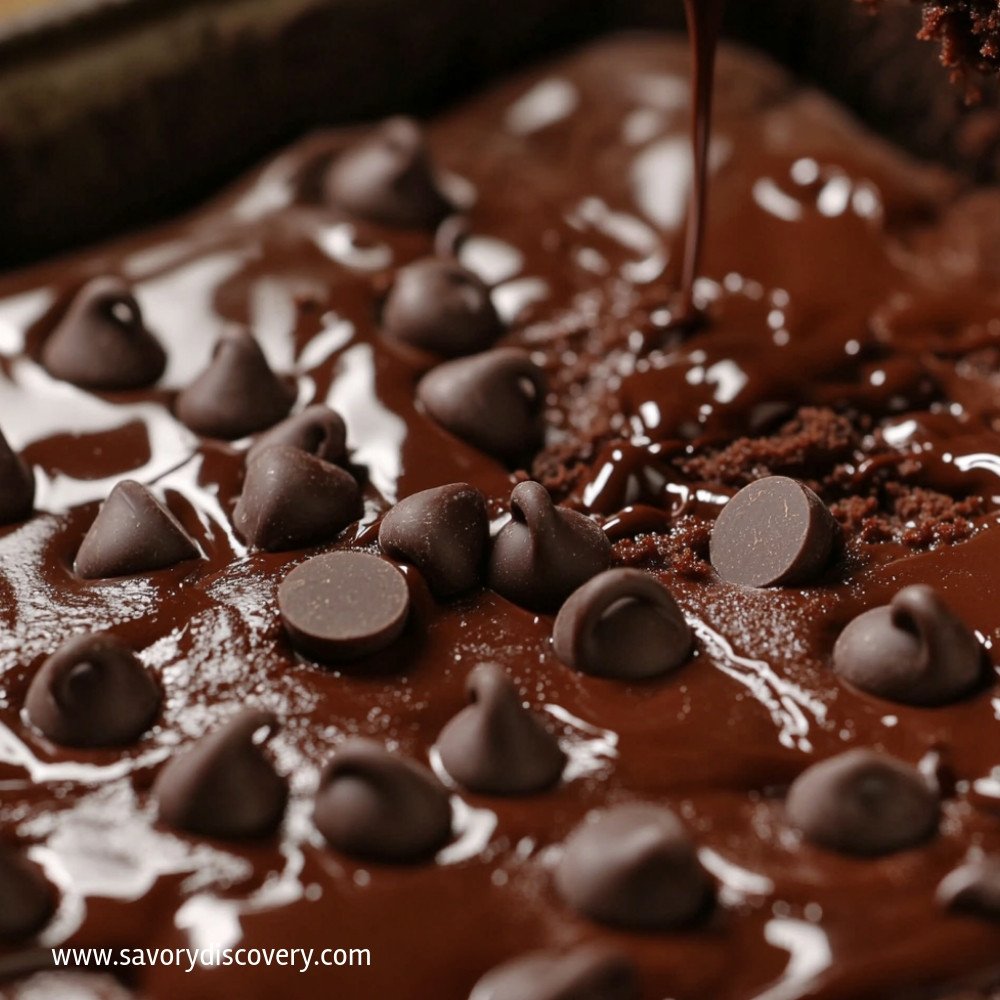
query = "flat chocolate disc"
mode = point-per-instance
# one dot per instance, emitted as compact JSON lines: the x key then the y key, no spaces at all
{"x":773,"y":533}
{"x":344,"y":605}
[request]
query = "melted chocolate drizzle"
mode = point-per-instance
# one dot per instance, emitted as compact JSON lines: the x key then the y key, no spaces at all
{"x":704,"y":19}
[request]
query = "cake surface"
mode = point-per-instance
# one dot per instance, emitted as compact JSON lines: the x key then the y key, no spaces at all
{"x":851,"y":343}
{"x":968,"y":31}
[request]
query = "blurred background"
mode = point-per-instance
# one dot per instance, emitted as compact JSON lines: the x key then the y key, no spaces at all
{"x":115,"y":112}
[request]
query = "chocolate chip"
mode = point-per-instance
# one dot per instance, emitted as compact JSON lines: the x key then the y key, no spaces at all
{"x":224,"y":786}
{"x":938,"y":770}
{"x":317,"y":430}
{"x":495,"y":745}
{"x":344,"y":605}
{"x":17,"y":485}
{"x":378,"y":806}
{"x":388,"y":178}
{"x":545,"y":552}
{"x":237,"y":394}
{"x":451,"y":235}
{"x":864,"y":803}
{"x":444,"y":532}
{"x":102,"y":341}
{"x":914,"y":651}
{"x":623,"y":624}
{"x":973,"y":888}
{"x":132,"y":533}
{"x":292,"y":499}
{"x":494,"y":401}
{"x":587,"y":972}
{"x":634,"y":866}
{"x":437,"y":305}
{"x":27,"y":901}
{"x":92,"y":692}
{"x":774,"y":532}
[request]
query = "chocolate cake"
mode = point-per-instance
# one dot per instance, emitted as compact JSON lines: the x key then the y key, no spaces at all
{"x":398,"y":560}
{"x":969,"y":33}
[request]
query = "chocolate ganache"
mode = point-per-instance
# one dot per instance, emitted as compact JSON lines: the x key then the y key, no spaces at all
{"x":849,"y":342}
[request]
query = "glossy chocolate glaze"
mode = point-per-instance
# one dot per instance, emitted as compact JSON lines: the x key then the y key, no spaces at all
{"x":838,"y":276}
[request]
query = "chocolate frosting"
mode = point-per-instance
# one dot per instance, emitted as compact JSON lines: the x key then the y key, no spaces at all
{"x":849,"y":343}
